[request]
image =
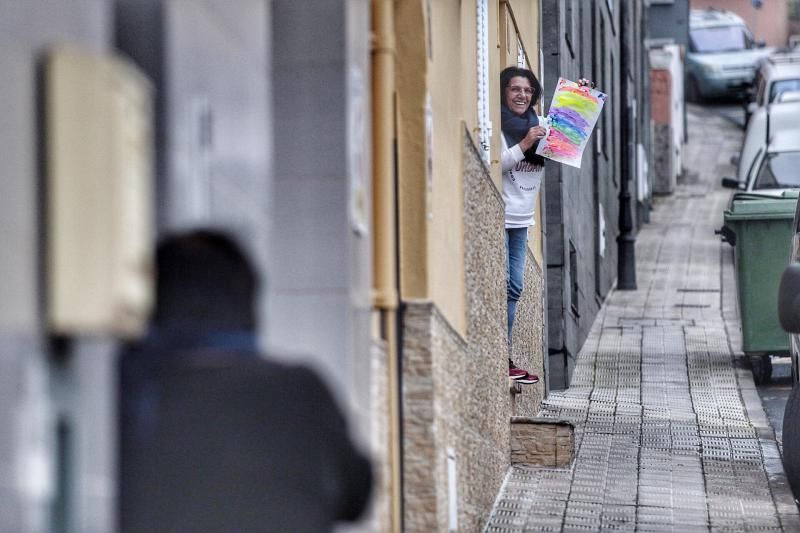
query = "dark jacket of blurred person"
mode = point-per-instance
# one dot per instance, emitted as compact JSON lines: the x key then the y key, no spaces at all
{"x":215,"y":437}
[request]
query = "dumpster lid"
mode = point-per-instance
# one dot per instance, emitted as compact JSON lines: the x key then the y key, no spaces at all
{"x":754,"y":206}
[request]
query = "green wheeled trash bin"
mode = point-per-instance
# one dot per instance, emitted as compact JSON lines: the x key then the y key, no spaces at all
{"x":759,"y":226}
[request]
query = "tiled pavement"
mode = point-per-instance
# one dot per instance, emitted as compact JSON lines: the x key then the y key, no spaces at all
{"x":670,"y":434}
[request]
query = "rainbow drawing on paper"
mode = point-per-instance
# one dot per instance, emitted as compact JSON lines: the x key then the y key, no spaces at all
{"x":572,"y":116}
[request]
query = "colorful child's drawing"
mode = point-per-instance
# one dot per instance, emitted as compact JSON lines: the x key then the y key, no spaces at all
{"x":571,"y":118}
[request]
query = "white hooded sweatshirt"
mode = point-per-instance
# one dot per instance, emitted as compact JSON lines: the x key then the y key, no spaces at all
{"x":520,"y":186}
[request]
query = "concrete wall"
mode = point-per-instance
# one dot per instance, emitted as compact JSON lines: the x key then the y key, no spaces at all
{"x":581,"y":204}
{"x":319,"y":265}
{"x":209,"y":64}
{"x":268,"y":138}
{"x":669,"y":21}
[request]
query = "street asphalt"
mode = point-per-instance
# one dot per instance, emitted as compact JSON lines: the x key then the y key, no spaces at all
{"x":670,"y":430}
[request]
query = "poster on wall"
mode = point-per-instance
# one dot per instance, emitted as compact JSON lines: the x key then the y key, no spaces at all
{"x":571,"y":119}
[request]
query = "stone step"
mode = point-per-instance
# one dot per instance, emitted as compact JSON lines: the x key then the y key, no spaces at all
{"x":542,"y":441}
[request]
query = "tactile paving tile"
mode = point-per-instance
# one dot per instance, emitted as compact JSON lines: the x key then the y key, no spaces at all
{"x":663,"y":441}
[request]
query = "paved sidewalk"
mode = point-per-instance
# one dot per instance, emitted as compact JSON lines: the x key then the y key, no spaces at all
{"x":670,"y":434}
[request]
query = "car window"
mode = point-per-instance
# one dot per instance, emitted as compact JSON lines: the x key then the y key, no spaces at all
{"x":719,"y":39}
{"x":779,"y":171}
{"x":782,"y":86}
{"x":753,"y":163}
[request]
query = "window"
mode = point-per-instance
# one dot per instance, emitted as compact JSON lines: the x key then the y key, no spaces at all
{"x":779,"y":171}
{"x":521,"y":61}
{"x":719,"y":39}
{"x":783,"y":86}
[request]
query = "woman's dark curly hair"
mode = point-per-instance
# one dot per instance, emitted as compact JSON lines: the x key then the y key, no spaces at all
{"x":512,"y":72}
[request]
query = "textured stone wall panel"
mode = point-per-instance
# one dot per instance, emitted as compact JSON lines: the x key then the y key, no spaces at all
{"x":663,"y":175}
{"x":380,"y":451}
{"x":529,"y":340}
{"x":419,"y":446}
{"x":542,"y":442}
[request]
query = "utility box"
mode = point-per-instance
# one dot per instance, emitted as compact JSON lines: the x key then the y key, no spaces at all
{"x":763,"y":234}
{"x":99,"y":173}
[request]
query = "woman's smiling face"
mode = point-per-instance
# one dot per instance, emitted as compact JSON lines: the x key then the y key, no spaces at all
{"x":518,"y":95}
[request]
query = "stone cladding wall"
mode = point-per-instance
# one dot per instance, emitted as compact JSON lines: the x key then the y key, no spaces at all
{"x":542,"y":442}
{"x":529,"y":341}
{"x":456,"y":397}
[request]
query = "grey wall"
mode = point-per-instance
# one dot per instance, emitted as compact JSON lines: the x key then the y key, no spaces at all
{"x":209,"y":61}
{"x":38,"y":388}
{"x":669,"y":20}
{"x":580,"y":39}
{"x":263,"y":121}
{"x":319,"y":299}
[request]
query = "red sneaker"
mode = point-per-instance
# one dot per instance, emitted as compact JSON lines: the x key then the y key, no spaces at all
{"x":517,"y":373}
{"x":529,"y":379}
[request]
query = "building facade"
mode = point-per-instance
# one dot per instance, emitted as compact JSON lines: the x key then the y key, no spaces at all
{"x":353,"y":148}
{"x":456,"y":405}
{"x":593,"y":212}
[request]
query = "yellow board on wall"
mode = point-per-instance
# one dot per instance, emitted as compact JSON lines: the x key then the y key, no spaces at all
{"x":99,"y":161}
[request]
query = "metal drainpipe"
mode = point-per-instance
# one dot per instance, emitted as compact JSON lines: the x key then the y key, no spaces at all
{"x":626,"y":261}
{"x":385,"y":232}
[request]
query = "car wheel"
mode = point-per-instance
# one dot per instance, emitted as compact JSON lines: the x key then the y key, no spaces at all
{"x":761,"y":365}
{"x":791,"y":439}
{"x":693,"y":91}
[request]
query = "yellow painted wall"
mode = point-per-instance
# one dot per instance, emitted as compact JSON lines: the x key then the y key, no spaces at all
{"x":411,"y":70}
{"x":451,"y":89}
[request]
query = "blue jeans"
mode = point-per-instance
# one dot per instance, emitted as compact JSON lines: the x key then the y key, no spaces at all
{"x":516,"y":251}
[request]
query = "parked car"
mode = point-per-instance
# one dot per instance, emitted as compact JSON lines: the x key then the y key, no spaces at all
{"x":789,"y":315}
{"x":722,"y":55}
{"x":772,"y":138}
{"x":776,"y":74}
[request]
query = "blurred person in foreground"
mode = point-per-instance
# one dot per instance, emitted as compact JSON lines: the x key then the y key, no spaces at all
{"x":215,"y":437}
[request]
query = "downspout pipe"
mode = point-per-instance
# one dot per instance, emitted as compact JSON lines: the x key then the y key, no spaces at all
{"x":626,"y":261}
{"x":384,"y":213}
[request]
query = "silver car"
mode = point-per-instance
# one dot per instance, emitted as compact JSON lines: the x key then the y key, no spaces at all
{"x":722,"y":55}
